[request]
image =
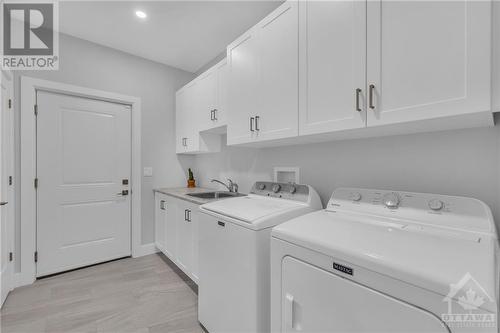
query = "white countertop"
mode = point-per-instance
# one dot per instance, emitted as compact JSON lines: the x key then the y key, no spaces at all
{"x":182,"y":193}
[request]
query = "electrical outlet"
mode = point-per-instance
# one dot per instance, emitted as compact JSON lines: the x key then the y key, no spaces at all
{"x":148,"y":172}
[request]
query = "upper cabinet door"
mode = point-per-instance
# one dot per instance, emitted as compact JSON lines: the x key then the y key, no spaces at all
{"x":427,"y":59}
{"x":277,"y":109}
{"x":220,"y":113}
{"x":332,"y":66}
{"x":206,"y":99}
{"x":192,"y":118}
{"x":180,"y":121}
{"x":243,"y":92}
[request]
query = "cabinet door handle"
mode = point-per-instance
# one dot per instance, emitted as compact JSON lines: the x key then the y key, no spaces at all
{"x":358,"y":93}
{"x":222,"y":224}
{"x":257,"y":123}
{"x":215,"y":114}
{"x":211,"y":114}
{"x":185,"y":214}
{"x":189,"y":215}
{"x":372,"y":89}
{"x":162,"y":204}
{"x":251,"y":124}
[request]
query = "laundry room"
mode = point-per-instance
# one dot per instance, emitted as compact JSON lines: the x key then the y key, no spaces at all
{"x":250,"y":166}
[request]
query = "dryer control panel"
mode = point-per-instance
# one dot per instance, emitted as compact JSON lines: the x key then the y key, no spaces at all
{"x":421,"y":208}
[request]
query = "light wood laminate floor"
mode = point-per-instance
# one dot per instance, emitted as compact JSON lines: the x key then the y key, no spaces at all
{"x":144,"y":295}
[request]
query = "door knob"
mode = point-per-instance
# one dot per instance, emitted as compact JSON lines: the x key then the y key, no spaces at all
{"x":124,"y":192}
{"x":3,"y":203}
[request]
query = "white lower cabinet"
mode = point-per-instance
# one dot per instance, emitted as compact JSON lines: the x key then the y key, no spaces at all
{"x":160,"y":218}
{"x":176,"y":232}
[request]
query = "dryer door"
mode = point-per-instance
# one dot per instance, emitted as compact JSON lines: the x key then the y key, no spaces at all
{"x":315,"y":300}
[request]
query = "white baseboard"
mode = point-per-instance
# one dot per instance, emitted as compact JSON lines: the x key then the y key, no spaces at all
{"x":20,"y":280}
{"x":145,"y":249}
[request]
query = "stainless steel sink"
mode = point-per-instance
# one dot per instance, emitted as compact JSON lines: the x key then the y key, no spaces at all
{"x":215,"y":195}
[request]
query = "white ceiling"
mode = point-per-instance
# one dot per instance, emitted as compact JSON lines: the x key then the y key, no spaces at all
{"x":183,"y":34}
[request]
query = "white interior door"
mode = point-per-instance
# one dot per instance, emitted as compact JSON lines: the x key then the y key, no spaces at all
{"x":6,"y":188}
{"x":83,"y":165}
{"x":314,"y":300}
{"x":427,"y":59}
{"x":333,"y":65}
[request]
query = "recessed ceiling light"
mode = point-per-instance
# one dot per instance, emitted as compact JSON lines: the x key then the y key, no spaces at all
{"x":141,"y":14}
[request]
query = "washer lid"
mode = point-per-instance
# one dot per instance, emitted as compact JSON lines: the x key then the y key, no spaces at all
{"x":252,"y":207}
{"x":431,"y":258}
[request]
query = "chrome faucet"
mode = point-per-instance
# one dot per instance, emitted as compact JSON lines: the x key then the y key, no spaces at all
{"x":232,"y":187}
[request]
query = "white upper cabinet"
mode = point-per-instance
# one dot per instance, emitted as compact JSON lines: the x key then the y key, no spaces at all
{"x":332,"y":66}
{"x":195,"y":102}
{"x":211,"y":97}
{"x":427,"y":59}
{"x":242,"y":57}
{"x":206,"y":98}
{"x":187,"y":120}
{"x":277,"y":112}
{"x":263,"y":79}
{"x":181,"y":119}
{"x":221,"y":111}
{"x":320,"y":70}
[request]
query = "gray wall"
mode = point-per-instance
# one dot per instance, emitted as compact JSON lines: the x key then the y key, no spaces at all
{"x":90,"y":65}
{"x":462,"y":162}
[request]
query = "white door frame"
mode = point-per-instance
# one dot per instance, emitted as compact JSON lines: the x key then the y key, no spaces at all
{"x":12,"y":199}
{"x":29,"y":88}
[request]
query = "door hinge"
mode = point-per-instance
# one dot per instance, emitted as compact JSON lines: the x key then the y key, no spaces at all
{"x":10,"y":180}
{"x":10,"y":103}
{"x":36,"y":256}
{"x":35,"y":108}
{"x":36,"y":182}
{"x":11,"y":256}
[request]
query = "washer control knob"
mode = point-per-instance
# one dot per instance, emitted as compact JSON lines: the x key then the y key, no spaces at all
{"x":262,"y":187}
{"x":356,"y":196}
{"x":293,"y":189}
{"x":436,"y":204}
{"x":391,"y":200}
{"x":276,"y":188}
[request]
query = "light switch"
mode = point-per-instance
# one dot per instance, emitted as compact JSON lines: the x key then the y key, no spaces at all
{"x":148,"y":172}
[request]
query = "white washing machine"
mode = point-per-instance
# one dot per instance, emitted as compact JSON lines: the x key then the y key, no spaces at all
{"x":380,"y":261}
{"x":234,"y":257}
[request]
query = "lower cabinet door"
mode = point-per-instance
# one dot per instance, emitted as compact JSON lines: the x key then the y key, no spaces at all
{"x":160,"y":212}
{"x":314,"y":300}
{"x":170,"y":230}
{"x":194,"y":217}
{"x":184,"y":253}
